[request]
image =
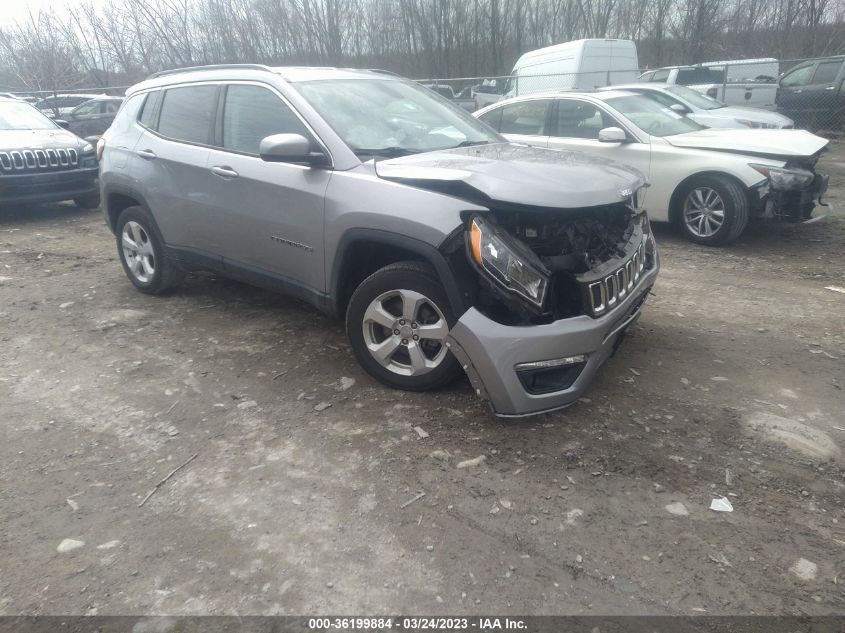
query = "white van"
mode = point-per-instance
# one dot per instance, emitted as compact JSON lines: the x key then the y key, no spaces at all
{"x":578,"y":65}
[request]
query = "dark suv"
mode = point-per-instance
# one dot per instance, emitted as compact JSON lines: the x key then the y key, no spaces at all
{"x":446,"y":248}
{"x":812,"y":93}
{"x":41,"y":162}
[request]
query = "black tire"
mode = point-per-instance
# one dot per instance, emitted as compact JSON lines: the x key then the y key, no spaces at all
{"x":166,"y":273}
{"x":411,"y":276}
{"x":735,"y":206}
{"x":88,"y":202}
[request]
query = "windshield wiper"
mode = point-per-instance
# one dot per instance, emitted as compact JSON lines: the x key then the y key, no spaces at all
{"x":469,"y":144}
{"x":387,"y":152}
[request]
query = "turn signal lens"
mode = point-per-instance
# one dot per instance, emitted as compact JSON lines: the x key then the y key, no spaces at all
{"x":475,"y":240}
{"x":101,"y":145}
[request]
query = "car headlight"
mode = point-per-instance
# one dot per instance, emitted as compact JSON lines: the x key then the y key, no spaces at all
{"x":749,"y":123}
{"x":781,"y":178}
{"x":87,"y":148}
{"x":512,"y":265}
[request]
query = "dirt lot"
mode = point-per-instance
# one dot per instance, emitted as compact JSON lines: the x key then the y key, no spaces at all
{"x":732,"y":384}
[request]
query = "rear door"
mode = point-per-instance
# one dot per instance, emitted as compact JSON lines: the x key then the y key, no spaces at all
{"x":268,"y":216}
{"x":171,"y":158}
{"x":522,"y":121}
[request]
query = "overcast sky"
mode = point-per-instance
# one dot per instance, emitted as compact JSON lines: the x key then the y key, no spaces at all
{"x":15,"y":10}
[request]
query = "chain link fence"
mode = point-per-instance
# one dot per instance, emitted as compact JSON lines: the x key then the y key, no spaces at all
{"x":810,"y":91}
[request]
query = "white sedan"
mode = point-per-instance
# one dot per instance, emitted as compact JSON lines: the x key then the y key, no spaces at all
{"x":710,"y":182}
{"x":707,"y":111}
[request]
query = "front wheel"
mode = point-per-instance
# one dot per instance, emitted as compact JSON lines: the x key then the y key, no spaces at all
{"x":397,"y":322}
{"x":713,"y":210}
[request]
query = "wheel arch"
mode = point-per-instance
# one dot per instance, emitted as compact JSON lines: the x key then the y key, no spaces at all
{"x":677,"y":195}
{"x":116,"y":199}
{"x":361,"y":252}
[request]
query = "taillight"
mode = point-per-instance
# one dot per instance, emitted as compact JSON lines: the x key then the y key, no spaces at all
{"x":101,"y":145}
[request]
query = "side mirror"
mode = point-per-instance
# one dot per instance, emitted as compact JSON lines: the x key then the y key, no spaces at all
{"x":290,"y":148}
{"x":62,"y":123}
{"x":680,"y":108}
{"x":612,"y":135}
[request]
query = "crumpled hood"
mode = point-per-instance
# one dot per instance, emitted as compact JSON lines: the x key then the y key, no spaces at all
{"x":38,"y":139}
{"x":517,"y":174}
{"x":777,"y":143}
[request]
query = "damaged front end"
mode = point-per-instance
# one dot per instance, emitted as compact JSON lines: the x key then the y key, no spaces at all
{"x":791,"y":192}
{"x":555,"y":292}
{"x":539,"y":267}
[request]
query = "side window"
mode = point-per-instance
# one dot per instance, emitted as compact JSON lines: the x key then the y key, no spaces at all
{"x":798,"y":77}
{"x":578,"y":119}
{"x":647,"y":76}
{"x":251,"y":112}
{"x":826,"y":72}
{"x":660,"y":76}
{"x":148,"y":112}
{"x":110,"y":107}
{"x":493,"y":118}
{"x":526,"y":117}
{"x":187,"y":113}
{"x":87,"y":109}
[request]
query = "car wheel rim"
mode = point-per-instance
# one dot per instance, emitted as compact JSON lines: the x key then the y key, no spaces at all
{"x":405,"y":332}
{"x":138,"y":252}
{"x":704,"y":212}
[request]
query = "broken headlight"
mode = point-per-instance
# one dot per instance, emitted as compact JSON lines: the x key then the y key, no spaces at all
{"x":512,"y":265}
{"x":781,"y":178}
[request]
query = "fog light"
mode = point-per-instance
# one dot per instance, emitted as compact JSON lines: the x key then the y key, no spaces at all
{"x":548,"y":364}
{"x":549,"y":376}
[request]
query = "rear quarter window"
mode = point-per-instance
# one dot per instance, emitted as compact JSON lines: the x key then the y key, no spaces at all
{"x":127,"y":114}
{"x":150,"y":108}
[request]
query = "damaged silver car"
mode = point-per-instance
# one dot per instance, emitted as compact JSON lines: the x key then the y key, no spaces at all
{"x":447,"y":249}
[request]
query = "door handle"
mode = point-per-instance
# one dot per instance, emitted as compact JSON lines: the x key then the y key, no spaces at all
{"x":798,"y":91}
{"x":831,"y":88}
{"x":146,"y":153}
{"x":224,"y":171}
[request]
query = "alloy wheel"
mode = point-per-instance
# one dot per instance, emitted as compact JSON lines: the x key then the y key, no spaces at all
{"x":405,"y":332}
{"x":704,"y":212}
{"x":138,"y":251}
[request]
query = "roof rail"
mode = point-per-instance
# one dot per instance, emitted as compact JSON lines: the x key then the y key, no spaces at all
{"x":188,"y":69}
{"x":384,"y":72}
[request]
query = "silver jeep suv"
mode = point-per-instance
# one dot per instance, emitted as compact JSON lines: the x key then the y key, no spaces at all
{"x":446,"y":248}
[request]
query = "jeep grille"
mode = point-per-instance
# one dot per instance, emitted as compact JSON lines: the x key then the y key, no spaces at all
{"x":30,"y":160}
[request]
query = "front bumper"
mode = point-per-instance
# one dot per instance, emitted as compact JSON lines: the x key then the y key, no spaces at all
{"x":489,"y":351}
{"x":794,"y":205}
{"x":55,"y":186}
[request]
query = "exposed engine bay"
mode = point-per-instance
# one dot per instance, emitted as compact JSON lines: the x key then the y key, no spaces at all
{"x":565,"y":252}
{"x":575,"y":243}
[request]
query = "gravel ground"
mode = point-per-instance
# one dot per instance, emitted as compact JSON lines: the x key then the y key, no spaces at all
{"x":731,"y":384}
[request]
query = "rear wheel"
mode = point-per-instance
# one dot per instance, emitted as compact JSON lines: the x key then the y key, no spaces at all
{"x":713,"y":210}
{"x":397,"y":322}
{"x":141,"y":252}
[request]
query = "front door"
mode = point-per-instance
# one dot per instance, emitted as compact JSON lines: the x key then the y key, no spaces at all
{"x":576,"y":125}
{"x":269,"y":217}
{"x":791,"y":99}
